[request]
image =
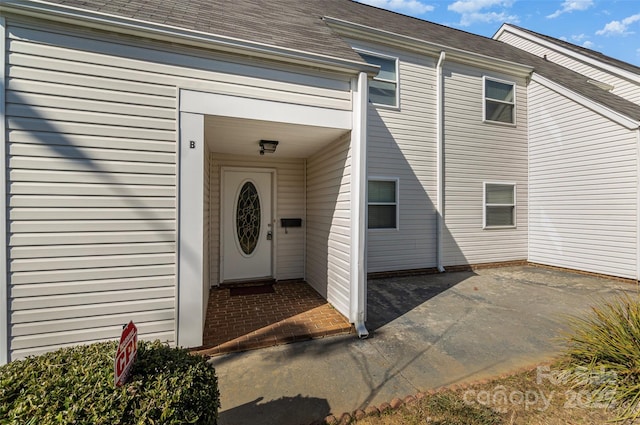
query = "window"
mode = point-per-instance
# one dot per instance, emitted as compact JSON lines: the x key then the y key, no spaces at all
{"x":383,"y":89}
{"x":499,"y":101}
{"x":383,"y":204}
{"x":499,"y":205}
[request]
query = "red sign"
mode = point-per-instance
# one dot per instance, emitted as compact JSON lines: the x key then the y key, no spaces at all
{"x":126,"y":354}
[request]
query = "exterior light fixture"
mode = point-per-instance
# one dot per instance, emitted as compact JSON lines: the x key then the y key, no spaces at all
{"x":268,"y":146}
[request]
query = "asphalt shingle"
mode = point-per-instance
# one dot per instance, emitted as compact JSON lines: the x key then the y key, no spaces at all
{"x":298,"y":25}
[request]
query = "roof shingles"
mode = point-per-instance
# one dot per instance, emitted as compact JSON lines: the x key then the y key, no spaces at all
{"x":298,"y":25}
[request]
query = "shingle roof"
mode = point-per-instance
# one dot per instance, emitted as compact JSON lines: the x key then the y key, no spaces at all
{"x":584,"y":51}
{"x":298,"y":24}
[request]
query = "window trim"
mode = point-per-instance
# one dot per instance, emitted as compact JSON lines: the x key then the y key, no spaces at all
{"x":396,"y":181}
{"x":396,"y":81}
{"x":484,"y":101}
{"x":485,"y":205}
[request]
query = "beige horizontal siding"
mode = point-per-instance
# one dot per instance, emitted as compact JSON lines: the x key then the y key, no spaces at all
{"x":91,"y":142}
{"x":328,"y":241}
{"x":583,"y":187}
{"x":477,"y":152}
{"x":401,"y":144}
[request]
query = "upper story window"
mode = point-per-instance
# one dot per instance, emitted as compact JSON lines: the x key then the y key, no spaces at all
{"x":499,"y":101}
{"x":383,"y":89}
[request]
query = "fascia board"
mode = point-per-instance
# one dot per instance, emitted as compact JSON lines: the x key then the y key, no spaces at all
{"x":605,"y":111}
{"x":135,"y":27}
{"x":347,"y":28}
{"x":584,"y":58}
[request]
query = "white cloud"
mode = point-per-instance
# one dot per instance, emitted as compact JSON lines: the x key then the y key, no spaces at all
{"x":619,"y":27}
{"x":471,"y":11}
{"x":468,"y":19}
{"x":578,"y":38}
{"x":410,"y":7}
{"x":569,"y":6}
{"x":588,"y":44}
{"x":470,"y":6}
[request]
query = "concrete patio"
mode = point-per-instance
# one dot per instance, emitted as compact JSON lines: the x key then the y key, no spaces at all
{"x":426,"y":332}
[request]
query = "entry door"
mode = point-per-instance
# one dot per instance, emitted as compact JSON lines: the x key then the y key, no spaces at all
{"x":246,"y":225}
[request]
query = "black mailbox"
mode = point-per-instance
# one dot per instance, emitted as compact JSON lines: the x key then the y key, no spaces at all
{"x":291,"y":222}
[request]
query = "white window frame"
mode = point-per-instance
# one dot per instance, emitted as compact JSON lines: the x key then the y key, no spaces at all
{"x":396,"y":81}
{"x":484,"y":101}
{"x":485,"y":205}
{"x":397,"y":203}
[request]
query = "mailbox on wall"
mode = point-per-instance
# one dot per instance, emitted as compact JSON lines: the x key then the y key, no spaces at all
{"x":290,"y":222}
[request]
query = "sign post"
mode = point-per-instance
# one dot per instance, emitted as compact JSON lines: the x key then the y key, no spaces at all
{"x":126,"y":353}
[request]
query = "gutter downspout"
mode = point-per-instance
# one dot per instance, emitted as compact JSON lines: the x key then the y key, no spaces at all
{"x":360,"y":88}
{"x":440,"y":160}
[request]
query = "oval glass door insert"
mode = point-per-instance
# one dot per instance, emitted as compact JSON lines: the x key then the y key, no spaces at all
{"x":248,"y":218}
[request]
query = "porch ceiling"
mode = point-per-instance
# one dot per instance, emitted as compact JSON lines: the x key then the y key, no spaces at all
{"x":240,"y":136}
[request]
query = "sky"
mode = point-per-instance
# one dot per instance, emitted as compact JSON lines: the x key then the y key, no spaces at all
{"x":611,"y":27}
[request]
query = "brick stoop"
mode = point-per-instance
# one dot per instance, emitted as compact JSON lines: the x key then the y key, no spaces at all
{"x":293,"y":312}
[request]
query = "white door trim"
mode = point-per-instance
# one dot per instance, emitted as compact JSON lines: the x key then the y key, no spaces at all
{"x":274,"y":208}
{"x":191,"y":279}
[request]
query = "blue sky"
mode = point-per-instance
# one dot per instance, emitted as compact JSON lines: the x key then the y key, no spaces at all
{"x":608,"y":26}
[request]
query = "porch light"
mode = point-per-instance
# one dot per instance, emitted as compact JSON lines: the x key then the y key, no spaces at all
{"x":268,"y":146}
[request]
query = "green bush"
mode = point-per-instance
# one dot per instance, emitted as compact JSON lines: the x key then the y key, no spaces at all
{"x":604,"y":355}
{"x":75,"y":386}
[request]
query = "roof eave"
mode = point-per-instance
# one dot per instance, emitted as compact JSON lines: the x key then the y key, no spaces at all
{"x":571,"y":53}
{"x":426,"y":47}
{"x":167,"y":33}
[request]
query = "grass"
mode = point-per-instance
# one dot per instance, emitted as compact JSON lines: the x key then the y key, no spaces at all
{"x":541,"y":396}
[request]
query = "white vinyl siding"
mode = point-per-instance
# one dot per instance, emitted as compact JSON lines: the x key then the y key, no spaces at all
{"x":91,"y":145}
{"x":402,"y":143}
{"x":622,"y":87}
{"x":476,"y":153}
{"x":329,"y":223}
{"x":583,"y":187}
{"x":289,"y":252}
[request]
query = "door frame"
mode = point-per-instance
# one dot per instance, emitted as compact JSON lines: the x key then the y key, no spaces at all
{"x":274,"y":209}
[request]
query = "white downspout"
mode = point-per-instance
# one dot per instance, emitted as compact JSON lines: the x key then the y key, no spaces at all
{"x":440,"y":160}
{"x":360,"y":99}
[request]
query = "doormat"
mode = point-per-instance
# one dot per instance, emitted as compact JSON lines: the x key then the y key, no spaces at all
{"x":251,"y":290}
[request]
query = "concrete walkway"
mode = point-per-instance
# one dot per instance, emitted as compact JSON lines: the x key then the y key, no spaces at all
{"x":426,"y":332}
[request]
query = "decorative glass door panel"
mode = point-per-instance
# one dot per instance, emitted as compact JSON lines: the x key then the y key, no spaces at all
{"x":248,"y":218}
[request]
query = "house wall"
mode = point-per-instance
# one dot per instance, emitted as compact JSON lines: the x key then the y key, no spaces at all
{"x":476,"y":152}
{"x":622,"y":87}
{"x":401,"y":143}
{"x":91,"y":142}
{"x":583,"y":187}
{"x":290,"y":196}
{"x":328,"y":239}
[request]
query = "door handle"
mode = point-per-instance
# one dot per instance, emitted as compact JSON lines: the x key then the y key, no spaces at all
{"x":269,"y":235}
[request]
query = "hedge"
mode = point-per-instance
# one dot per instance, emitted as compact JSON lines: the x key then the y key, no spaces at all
{"x":76,"y":386}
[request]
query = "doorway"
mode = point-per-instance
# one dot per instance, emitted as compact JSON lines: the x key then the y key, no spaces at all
{"x":247,"y":225}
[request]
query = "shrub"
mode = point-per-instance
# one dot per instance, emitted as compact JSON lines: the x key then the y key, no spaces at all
{"x":75,"y":386}
{"x":604,"y":354}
